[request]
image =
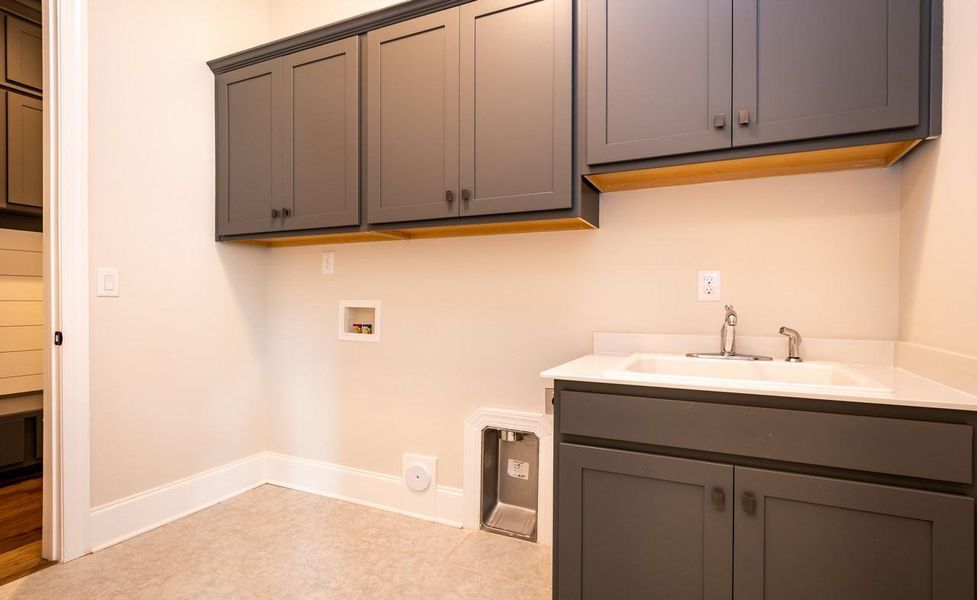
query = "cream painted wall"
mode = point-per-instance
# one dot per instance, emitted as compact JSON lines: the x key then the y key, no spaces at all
{"x":289,"y":17}
{"x":469,"y":322}
{"x":177,"y":363}
{"x":939,"y":247}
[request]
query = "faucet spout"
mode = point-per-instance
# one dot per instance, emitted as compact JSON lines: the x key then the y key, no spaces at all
{"x":727,"y":334}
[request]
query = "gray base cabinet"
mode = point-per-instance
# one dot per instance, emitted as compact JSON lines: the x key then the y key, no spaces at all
{"x":688,"y":495}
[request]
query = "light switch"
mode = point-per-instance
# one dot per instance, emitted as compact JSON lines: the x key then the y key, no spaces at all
{"x":108,"y":282}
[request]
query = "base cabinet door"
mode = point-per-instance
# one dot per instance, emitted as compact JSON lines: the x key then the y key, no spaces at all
{"x":516,"y":106}
{"x":634,"y":525}
{"x":800,"y":537}
{"x":412,"y":119}
{"x":249,"y":140}
{"x":804,"y":70}
{"x":321,"y":137}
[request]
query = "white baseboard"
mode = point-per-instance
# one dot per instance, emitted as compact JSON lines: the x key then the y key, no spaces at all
{"x":120,"y":520}
{"x":126,"y":518}
{"x":441,"y":504}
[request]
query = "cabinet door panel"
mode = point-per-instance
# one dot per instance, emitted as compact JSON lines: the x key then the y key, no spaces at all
{"x":412,"y":119}
{"x":807,"y":538}
{"x":811,"y":69}
{"x":321,"y":136}
{"x":516,"y":105}
{"x":23,"y":48}
{"x":249,"y":120}
{"x":641,"y":526}
{"x":658,"y":74}
{"x":25,"y":155}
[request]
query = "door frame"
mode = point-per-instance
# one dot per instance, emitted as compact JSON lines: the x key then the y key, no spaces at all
{"x":67,"y":449}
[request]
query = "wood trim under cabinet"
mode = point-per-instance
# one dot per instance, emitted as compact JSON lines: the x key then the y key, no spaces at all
{"x":815,"y":161}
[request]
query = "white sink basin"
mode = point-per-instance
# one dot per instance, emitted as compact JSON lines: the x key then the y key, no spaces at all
{"x":665,"y":367}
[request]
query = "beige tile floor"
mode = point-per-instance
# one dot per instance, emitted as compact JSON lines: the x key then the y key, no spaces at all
{"x":277,"y":543}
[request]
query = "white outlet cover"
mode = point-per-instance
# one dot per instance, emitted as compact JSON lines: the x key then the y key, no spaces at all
{"x":709,"y":286}
{"x":328,"y":262}
{"x":420,"y":472}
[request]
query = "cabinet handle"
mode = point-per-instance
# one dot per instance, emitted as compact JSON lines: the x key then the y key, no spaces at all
{"x":449,"y":196}
{"x":274,"y":213}
{"x":465,"y":195}
{"x":286,"y":212}
{"x":718,"y":498}
{"x":719,"y":120}
{"x":749,"y":503}
{"x":744,"y":117}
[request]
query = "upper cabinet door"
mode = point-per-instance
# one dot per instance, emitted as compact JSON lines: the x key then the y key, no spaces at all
{"x":23,"y":53}
{"x":516,"y":105}
{"x":25,"y":156}
{"x":321,"y":136}
{"x":658,"y":77}
{"x":412,"y":119}
{"x":641,"y":526}
{"x":806,"y":538}
{"x":806,"y":69}
{"x":249,"y":139}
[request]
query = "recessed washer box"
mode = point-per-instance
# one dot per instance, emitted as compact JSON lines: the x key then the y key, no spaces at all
{"x":359,"y":320}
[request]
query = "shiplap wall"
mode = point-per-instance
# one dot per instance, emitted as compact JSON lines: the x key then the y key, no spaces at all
{"x":21,"y":312}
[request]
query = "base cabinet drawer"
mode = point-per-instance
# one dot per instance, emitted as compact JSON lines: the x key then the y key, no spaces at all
{"x":11,"y":442}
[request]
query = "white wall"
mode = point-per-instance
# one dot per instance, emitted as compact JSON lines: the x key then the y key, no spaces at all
{"x":940,"y":209}
{"x":177,"y":363}
{"x":470,"y":322}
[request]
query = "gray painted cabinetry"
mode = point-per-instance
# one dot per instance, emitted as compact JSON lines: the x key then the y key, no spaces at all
{"x":679,"y":494}
{"x":673,"y":77}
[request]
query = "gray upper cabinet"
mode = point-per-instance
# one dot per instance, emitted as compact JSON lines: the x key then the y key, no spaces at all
{"x":516,"y":106}
{"x":320,"y":161}
{"x":809,"y":538}
{"x":642,"y":526}
{"x":658,"y":77}
{"x":25,"y":156}
{"x":412,"y":119}
{"x":249,"y":157}
{"x":23,"y":52}
{"x":805,"y":69}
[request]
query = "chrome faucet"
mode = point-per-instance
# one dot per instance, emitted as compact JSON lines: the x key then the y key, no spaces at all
{"x":727,"y":336}
{"x":727,"y":340}
{"x":793,"y":344}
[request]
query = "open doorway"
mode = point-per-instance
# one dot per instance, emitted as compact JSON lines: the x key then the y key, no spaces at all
{"x":23,"y":338}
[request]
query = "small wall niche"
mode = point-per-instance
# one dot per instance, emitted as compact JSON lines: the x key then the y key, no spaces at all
{"x":359,"y":320}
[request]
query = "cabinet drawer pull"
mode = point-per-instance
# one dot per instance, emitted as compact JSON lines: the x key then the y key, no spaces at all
{"x":465,"y":195}
{"x":286,"y":212}
{"x":744,"y":117}
{"x":719,"y":120}
{"x":749,"y":503}
{"x":718,"y":498}
{"x":449,"y":196}
{"x":274,"y":213}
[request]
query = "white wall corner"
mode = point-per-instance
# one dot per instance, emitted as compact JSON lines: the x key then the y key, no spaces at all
{"x":537,"y":423}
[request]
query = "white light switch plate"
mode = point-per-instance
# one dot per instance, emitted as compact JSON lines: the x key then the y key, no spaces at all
{"x":710,"y":287}
{"x":328,"y":262}
{"x":108,"y":282}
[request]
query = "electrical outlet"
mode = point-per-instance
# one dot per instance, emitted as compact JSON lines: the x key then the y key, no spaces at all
{"x":710,"y":286}
{"x":328,"y":262}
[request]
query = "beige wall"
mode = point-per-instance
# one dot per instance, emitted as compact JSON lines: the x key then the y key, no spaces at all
{"x":938,"y":299}
{"x":177,"y":365}
{"x":289,"y":17}
{"x":469,"y":322}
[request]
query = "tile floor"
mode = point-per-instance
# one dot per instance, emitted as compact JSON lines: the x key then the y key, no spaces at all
{"x":277,"y":543}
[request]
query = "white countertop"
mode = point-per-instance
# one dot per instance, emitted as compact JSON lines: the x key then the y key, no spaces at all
{"x":895,"y":386}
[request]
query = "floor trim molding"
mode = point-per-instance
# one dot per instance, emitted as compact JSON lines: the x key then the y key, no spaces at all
{"x":128,"y":517}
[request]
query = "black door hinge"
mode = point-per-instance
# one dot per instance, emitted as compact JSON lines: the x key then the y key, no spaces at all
{"x":58,"y":338}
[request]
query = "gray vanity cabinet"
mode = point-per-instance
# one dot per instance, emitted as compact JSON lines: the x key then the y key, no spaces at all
{"x":320,"y":160}
{"x":801,"y":537}
{"x":658,"y":77}
{"x":516,"y":106}
{"x":805,"y":69}
{"x":412,"y":119}
{"x":249,"y":157}
{"x":635,"y":525}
